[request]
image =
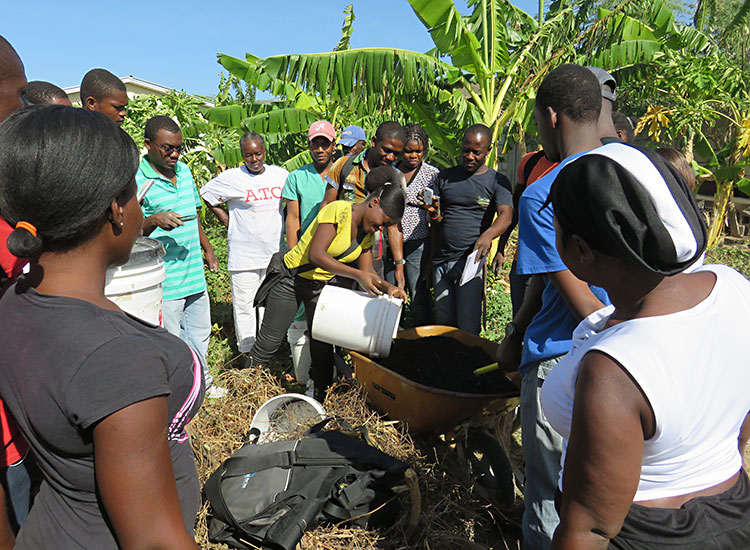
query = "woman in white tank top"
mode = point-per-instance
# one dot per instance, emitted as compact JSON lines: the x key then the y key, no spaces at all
{"x":652,"y":398}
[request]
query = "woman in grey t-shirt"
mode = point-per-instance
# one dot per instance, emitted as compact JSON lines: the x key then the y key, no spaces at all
{"x":101,"y":397}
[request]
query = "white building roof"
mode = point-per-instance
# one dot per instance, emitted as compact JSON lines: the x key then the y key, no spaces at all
{"x":134,"y":85}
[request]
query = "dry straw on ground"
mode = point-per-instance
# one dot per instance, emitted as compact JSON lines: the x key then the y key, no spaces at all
{"x":454,"y":513}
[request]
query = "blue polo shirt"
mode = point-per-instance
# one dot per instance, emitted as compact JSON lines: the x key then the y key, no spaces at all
{"x":183,"y":260}
{"x":550,"y":333}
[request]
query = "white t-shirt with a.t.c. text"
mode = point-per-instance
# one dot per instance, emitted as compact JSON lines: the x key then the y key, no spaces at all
{"x":255,"y":215}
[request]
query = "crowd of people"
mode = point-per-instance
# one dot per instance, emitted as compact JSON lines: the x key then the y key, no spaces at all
{"x":633,"y":408}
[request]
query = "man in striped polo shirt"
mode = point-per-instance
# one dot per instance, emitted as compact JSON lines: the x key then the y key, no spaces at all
{"x":171,"y":216}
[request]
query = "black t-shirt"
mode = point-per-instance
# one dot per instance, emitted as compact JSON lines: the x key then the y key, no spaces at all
{"x":468,"y":203}
{"x":66,"y":364}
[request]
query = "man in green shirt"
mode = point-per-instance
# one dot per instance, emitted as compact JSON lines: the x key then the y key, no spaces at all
{"x":171,"y":216}
{"x":305,"y":186}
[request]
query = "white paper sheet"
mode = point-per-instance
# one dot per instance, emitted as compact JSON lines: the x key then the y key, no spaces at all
{"x":472,"y":268}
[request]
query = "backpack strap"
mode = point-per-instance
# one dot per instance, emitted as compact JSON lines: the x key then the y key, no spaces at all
{"x":212,"y":488}
{"x":530,"y":164}
{"x":345,"y":171}
{"x":241,"y":465}
{"x":347,"y":498}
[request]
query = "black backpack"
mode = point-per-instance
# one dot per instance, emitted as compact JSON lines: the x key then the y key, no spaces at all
{"x":268,"y":495}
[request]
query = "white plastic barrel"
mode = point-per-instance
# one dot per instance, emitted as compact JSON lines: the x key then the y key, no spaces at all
{"x":357,"y":321}
{"x":300,"y":346}
{"x":136,"y":286}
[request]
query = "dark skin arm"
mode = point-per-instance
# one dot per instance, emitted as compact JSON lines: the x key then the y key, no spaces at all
{"x":497,"y":264}
{"x":383,"y":287}
{"x":509,"y":352}
{"x":220,"y":213}
{"x":213,"y":263}
{"x":292,"y":223}
{"x":396,"y":244}
{"x":578,"y":297}
{"x":366,"y":276}
{"x":498,"y":227}
{"x":611,"y":420}
{"x":330,"y":196}
{"x":165,"y":220}
{"x":435,"y":218}
{"x":135,"y":478}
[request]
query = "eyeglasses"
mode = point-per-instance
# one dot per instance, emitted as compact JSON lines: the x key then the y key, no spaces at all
{"x":169,"y":149}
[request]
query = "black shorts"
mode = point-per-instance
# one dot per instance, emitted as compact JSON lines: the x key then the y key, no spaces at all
{"x":707,"y":523}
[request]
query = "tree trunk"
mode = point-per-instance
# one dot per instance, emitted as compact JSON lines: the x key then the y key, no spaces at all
{"x":521,"y":140}
{"x":722,"y":199}
{"x":689,"y":146}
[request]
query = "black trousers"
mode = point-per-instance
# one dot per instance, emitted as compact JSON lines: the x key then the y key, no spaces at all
{"x":281,"y":306}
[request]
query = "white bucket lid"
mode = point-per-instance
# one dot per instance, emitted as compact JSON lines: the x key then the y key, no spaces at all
{"x":284,"y":414}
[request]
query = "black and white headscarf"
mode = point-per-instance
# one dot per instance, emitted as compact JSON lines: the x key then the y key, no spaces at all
{"x":629,"y":202}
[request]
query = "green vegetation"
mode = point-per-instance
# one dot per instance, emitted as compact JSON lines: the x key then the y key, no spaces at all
{"x":736,"y":256}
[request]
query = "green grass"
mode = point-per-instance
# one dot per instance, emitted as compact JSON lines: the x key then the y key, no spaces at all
{"x":736,"y":256}
{"x":499,"y":309}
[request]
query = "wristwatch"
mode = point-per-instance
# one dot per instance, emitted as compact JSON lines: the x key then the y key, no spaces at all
{"x":511,"y":331}
{"x":399,"y":262}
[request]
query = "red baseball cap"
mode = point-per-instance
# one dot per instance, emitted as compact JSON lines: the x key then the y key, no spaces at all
{"x":321,"y":128}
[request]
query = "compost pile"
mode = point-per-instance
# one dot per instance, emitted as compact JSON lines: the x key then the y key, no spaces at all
{"x":445,"y":363}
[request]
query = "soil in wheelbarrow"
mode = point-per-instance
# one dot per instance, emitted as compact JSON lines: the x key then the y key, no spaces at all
{"x":447,"y":364}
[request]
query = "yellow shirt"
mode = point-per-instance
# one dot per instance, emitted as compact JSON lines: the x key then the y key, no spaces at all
{"x":338,"y":213}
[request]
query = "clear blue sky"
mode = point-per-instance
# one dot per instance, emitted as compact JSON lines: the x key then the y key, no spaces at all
{"x":175,"y":42}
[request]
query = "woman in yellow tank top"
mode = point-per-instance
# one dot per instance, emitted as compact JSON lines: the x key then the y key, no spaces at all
{"x":341,"y":234}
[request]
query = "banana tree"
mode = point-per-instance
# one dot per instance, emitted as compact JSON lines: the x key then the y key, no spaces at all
{"x":289,"y":116}
{"x":484,"y":68}
{"x":698,"y":101}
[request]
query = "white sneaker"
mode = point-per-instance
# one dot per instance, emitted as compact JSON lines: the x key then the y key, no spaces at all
{"x":215,"y":392}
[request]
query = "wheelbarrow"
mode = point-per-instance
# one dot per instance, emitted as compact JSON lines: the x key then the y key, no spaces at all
{"x":479,"y":424}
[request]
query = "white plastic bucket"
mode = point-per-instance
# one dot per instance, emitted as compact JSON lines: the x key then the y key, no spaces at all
{"x":300,"y":346}
{"x":282,"y":415}
{"x":136,"y":286}
{"x":357,"y":321}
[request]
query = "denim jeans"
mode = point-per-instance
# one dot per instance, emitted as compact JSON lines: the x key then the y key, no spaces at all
{"x":190,"y":319}
{"x":542,"y":451}
{"x":414,"y":269}
{"x":455,"y":305}
{"x":16,"y":482}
